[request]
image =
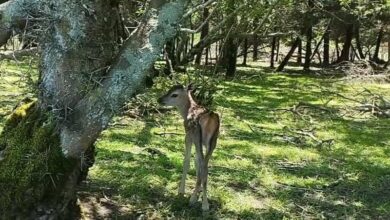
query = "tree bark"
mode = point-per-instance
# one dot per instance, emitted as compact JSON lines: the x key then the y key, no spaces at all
{"x":277,"y":50}
{"x":289,"y":54}
{"x":231,"y":45}
{"x":358,"y":43}
{"x":309,"y":35}
{"x":375,"y":56}
{"x":81,"y":89}
{"x":347,"y":44}
{"x":255,"y":47}
{"x":230,"y":55}
{"x":299,"y":55}
{"x":337,"y":48}
{"x":170,"y":60}
{"x":245,"y":51}
{"x":326,"y":47}
{"x":204,"y":32}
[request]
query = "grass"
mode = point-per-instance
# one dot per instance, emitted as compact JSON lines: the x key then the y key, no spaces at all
{"x":263,"y":168}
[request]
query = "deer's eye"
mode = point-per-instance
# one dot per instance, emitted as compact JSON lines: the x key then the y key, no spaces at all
{"x":174,"y":95}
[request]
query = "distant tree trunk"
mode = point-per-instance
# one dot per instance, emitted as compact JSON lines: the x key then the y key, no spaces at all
{"x":277,"y":50}
{"x":309,"y":35}
{"x":326,"y":47}
{"x":170,"y":60}
{"x":273,"y":46}
{"x":203,"y":34}
{"x":206,"y":59}
{"x":181,"y":40}
{"x":231,"y":46}
{"x":289,"y":54}
{"x":358,"y":43}
{"x":299,"y":55}
{"x":255,"y":47}
{"x":388,"y":54}
{"x":337,"y":48}
{"x":230,"y":55}
{"x":347,"y":44}
{"x":245,"y":51}
{"x":375,"y":57}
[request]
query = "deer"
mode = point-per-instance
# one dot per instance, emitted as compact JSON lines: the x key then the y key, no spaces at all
{"x":201,"y":129}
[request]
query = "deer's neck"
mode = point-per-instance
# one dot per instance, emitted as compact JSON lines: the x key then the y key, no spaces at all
{"x":189,"y":105}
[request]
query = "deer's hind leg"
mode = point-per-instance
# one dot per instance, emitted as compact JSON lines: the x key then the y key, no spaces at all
{"x":210,"y":148}
{"x":186,"y":164}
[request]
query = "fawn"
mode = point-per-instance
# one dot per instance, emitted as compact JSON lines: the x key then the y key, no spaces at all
{"x":201,"y":128}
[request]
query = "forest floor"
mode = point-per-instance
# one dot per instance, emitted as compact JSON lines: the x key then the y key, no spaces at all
{"x":291,"y":146}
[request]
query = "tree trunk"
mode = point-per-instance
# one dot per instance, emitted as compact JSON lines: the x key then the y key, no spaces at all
{"x":358,"y":43}
{"x":78,"y":96}
{"x":326,"y":47}
{"x":245,"y":51}
{"x":337,"y":48}
{"x":375,"y":57}
{"x":347,"y":44}
{"x":255,"y":47}
{"x":230,"y":56}
{"x":231,"y":46}
{"x":203,"y":34}
{"x":309,"y":35}
{"x":299,"y":55}
{"x":170,"y":60}
{"x":277,"y":50}
{"x":273,"y":45}
{"x":289,"y":54}
{"x":206,"y":59}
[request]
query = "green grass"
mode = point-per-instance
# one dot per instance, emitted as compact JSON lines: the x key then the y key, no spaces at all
{"x":262,"y":168}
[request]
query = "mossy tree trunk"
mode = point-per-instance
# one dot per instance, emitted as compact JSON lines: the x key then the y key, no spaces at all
{"x":86,"y":78}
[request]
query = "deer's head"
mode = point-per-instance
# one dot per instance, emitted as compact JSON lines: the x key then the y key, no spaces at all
{"x":176,"y":96}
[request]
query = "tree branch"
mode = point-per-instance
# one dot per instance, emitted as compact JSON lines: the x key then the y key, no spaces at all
{"x":13,"y":15}
{"x":196,"y":8}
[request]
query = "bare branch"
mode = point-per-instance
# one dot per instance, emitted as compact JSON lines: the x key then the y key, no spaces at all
{"x":13,"y":13}
{"x":196,"y":8}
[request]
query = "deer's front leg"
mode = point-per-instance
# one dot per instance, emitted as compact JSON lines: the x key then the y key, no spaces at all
{"x":186,"y":164}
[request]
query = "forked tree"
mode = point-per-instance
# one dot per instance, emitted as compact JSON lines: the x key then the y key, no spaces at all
{"x":85,"y":77}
